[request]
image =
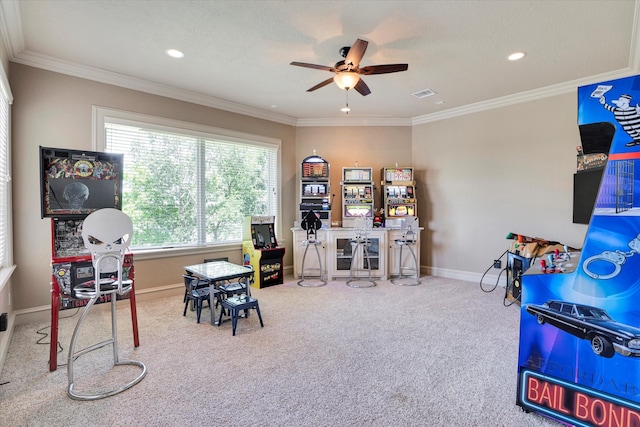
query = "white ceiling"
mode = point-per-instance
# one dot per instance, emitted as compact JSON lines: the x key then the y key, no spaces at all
{"x":238,"y":53}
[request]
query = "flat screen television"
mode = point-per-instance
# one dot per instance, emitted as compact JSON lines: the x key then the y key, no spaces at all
{"x":75,"y":183}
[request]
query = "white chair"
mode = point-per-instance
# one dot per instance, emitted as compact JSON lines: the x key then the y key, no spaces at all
{"x":408,"y":275}
{"x":107,"y":234}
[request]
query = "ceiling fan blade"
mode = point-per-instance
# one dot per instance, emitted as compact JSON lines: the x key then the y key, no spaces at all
{"x":362,"y":88}
{"x":322,"y":84}
{"x":314,"y":66}
{"x":383,"y":69}
{"x":356,"y":52}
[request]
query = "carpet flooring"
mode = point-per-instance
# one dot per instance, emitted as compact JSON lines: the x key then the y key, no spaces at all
{"x":443,"y":353}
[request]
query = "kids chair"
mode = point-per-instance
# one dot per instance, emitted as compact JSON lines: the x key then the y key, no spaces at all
{"x":107,"y":234}
{"x":197,"y":291}
{"x":236,"y":304}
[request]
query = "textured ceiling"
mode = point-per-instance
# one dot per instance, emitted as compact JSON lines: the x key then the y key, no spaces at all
{"x":238,"y":52}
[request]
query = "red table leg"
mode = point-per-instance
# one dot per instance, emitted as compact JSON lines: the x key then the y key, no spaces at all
{"x":53,"y":336}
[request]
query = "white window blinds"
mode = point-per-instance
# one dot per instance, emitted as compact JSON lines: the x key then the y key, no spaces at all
{"x":184,"y":188}
{"x":5,"y":178}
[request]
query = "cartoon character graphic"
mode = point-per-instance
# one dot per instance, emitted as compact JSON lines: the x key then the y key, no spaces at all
{"x":626,"y":115}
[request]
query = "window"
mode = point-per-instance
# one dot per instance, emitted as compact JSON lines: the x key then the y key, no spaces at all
{"x":6,"y":256}
{"x":189,"y":185}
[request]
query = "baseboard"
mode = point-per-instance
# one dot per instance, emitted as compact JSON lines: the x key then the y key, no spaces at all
{"x":467,"y":276}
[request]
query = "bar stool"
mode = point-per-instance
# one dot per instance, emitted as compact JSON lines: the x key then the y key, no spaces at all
{"x":407,"y":275}
{"x":107,"y":234}
{"x":312,"y":224}
{"x":361,"y":242}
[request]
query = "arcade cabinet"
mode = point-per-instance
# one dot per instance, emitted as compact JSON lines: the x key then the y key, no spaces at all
{"x":73,"y":184}
{"x":260,"y":250}
{"x":579,"y":349}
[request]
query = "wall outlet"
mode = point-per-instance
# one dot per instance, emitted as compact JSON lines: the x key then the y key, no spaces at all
{"x":497,"y":263}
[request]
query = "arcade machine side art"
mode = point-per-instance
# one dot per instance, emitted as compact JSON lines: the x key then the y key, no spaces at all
{"x":260,"y":251}
{"x":73,"y":184}
{"x":579,"y":351}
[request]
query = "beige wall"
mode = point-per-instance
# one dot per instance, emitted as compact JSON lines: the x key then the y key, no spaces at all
{"x":494,"y":172}
{"x":479,"y":176}
{"x":52,"y":109}
{"x":374,"y":147}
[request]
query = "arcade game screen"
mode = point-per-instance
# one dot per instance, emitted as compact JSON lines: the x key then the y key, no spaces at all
{"x":263,"y":236}
{"x":75,"y":183}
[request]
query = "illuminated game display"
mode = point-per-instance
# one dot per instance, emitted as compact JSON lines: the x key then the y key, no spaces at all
{"x":579,"y":359}
{"x":75,"y":183}
{"x":399,"y":196}
{"x":357,"y":195}
{"x":315,"y":191}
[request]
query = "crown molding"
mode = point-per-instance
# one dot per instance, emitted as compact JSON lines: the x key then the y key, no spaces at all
{"x":90,"y":73}
{"x":354,"y":121}
{"x":12,"y":34}
{"x":11,"y":28}
{"x":527,"y":96}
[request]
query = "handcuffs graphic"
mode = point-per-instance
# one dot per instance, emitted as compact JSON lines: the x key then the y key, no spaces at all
{"x":617,"y":258}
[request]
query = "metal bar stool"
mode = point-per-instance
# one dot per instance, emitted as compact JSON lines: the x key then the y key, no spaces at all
{"x":407,"y":275}
{"x":361,"y":241}
{"x":312,"y":224}
{"x":107,"y":234}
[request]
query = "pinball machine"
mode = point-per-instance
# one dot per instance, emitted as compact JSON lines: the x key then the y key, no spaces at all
{"x":75,"y":183}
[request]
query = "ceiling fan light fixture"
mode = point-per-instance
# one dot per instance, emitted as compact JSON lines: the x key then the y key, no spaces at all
{"x":346,"y":79}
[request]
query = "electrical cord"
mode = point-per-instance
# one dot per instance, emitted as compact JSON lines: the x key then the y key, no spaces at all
{"x":46,"y":334}
{"x":499,"y":275}
{"x":506,"y":291}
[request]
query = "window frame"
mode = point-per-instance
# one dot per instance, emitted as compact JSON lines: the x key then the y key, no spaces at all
{"x":6,"y":263}
{"x":102,"y":114}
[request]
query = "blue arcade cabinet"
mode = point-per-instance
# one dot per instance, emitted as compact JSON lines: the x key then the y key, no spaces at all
{"x":579,"y":351}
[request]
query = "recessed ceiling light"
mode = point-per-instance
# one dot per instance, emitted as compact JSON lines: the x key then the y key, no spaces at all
{"x":174,"y":53}
{"x":515,"y":56}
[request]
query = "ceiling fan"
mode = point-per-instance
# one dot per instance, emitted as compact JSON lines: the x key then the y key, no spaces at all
{"x":348,"y":71}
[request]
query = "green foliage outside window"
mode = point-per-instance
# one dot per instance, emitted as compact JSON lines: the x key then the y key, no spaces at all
{"x":183,"y":190}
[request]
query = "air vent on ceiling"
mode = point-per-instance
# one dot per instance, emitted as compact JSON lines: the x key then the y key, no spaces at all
{"x":424,"y":93}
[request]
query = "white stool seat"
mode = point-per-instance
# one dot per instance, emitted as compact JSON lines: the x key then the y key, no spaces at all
{"x":407,"y":275}
{"x":107,"y":234}
{"x":360,"y":243}
{"x":311,"y":281}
